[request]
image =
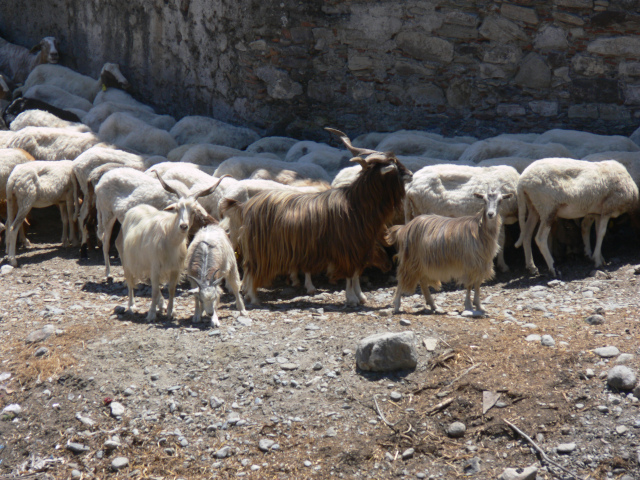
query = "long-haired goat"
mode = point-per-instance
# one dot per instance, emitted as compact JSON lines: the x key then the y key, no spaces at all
{"x":434,"y":249}
{"x":335,"y":230}
{"x":153,"y":244}
{"x":210,"y":259}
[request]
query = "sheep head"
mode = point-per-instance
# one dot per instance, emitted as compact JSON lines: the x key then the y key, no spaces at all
{"x":111,"y":76}
{"x":48,"y":48}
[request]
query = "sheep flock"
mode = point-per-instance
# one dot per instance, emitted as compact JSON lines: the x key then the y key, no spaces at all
{"x":260,"y":207}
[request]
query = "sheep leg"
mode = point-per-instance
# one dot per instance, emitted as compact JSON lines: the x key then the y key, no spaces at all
{"x":601,"y":229}
{"x":14,"y":229}
{"x":352,"y":298}
{"x":308,"y":284}
{"x":65,"y":225}
{"x":23,"y":237}
{"x":541,"y":240}
{"x":173,"y":283}
{"x":424,"y":286}
{"x":585,"y":230}
{"x":131,"y":284}
{"x":501,"y":239}
{"x":525,"y":240}
{"x":72,"y":223}
{"x":233,"y":283}
{"x":357,"y":290}
{"x":106,"y":240}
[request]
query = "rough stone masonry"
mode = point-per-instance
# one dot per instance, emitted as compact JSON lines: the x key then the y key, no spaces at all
{"x":293,"y":67}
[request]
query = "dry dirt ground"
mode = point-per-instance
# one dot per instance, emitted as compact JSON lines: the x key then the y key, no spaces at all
{"x":279,"y":396}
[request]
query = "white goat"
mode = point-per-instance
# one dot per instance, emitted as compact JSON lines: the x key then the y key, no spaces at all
{"x":9,"y":158}
{"x":241,"y":168}
{"x":45,"y":143}
{"x":448,"y":190}
{"x":17,"y":61}
{"x":153,"y":244}
{"x":60,"y":98}
{"x":434,"y":249}
{"x":565,"y":188}
{"x":211,"y":255}
{"x":40,"y":118}
{"x":127,"y":131}
{"x":121,"y":189}
{"x":40,"y":184}
{"x":197,"y":129}
{"x":76,"y":83}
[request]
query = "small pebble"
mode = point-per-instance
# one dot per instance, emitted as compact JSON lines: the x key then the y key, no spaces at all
{"x":395,"y":396}
{"x":119,"y":463}
{"x":621,"y":377}
{"x":607,"y":352}
{"x":566,"y":448}
{"x":408,"y":453}
{"x":548,"y":341}
{"x":456,"y":429}
{"x":266,"y":444}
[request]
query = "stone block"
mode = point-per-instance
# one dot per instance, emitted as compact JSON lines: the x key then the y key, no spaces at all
{"x":519,"y":14}
{"x":502,"y":54}
{"x":488,"y":70}
{"x":596,"y":90}
{"x":632,"y":94}
{"x":501,"y":30}
{"x":544,"y":108}
{"x":588,"y":65}
{"x":624,"y":46}
{"x":510,"y":110}
{"x":616,"y":113}
{"x":583,"y":111}
{"x":574,"y":3}
{"x":629,"y":69}
{"x":386,"y":352}
{"x":551,"y":38}
{"x":279,"y":84}
{"x":534,"y":72}
{"x":425,"y":47}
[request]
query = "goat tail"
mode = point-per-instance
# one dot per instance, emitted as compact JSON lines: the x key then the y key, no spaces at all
{"x":522,"y":213}
{"x":391,"y":236}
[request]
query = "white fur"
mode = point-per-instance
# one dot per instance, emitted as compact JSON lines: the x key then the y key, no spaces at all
{"x":40,"y":118}
{"x":126,"y":131}
{"x":99,"y":113}
{"x":508,"y":147}
{"x":46,"y":143}
{"x":566,"y":188}
{"x":421,"y":143}
{"x":198,"y":129}
{"x":9,"y":158}
{"x":448,"y":190}
{"x":305,"y":147}
{"x":276,"y":145}
{"x":241,"y":168}
{"x":59,"y":97}
{"x":40,"y":184}
{"x":584,"y":143}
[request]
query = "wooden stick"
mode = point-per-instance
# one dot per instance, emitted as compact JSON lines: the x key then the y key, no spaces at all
{"x":440,"y":406}
{"x":391,"y":425}
{"x":539,"y":450}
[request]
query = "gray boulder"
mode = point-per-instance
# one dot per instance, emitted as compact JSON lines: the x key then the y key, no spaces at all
{"x":621,"y":377}
{"x":386,"y":352}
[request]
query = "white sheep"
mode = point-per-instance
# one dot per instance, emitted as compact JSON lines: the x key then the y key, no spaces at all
{"x":422,"y":143}
{"x":126,"y":131}
{"x":270,"y":169}
{"x":566,"y":188}
{"x":40,"y":118}
{"x":434,"y":249}
{"x":203,"y":154}
{"x":9,"y":158}
{"x":46,"y":143}
{"x":276,"y":145}
{"x":99,"y":113}
{"x":40,"y":184}
{"x":60,"y":98}
{"x":153,"y":244}
{"x":584,"y":143}
{"x":331,"y":161}
{"x":76,"y":83}
{"x":448,"y":190}
{"x":198,"y":129}
{"x":17,"y":61}
{"x":508,"y":147}
{"x":121,"y":189}
{"x":519,"y":163}
{"x":119,"y":96}
{"x":305,"y":147}
{"x":211,"y":259}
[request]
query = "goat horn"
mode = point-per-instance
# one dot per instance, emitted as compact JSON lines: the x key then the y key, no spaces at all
{"x":213,"y":276}
{"x":167,"y":187}
{"x":209,"y":190}
{"x":378,"y":157}
{"x":196,"y":281}
{"x":354,"y":150}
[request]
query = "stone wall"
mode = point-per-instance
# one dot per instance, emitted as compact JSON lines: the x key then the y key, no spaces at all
{"x":292,"y":67}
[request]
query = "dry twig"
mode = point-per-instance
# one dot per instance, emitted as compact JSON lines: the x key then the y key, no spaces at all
{"x":440,"y":406}
{"x":375,"y":401}
{"x":539,"y":450}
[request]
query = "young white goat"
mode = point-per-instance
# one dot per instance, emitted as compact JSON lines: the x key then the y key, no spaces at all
{"x":153,"y":244}
{"x":211,"y":255}
{"x":434,"y":249}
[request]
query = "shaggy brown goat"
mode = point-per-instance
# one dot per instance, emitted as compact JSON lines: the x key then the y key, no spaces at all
{"x":334,"y":231}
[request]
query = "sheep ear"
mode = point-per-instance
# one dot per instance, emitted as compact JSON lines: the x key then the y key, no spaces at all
{"x":507,"y":195}
{"x":478,"y":195}
{"x":170,"y":208}
{"x":36,"y":48}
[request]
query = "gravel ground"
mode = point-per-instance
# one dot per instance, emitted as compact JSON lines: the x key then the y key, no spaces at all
{"x":277,"y":393}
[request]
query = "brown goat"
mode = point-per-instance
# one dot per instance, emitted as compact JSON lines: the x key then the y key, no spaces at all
{"x":434,"y":249}
{"x":334,"y":231}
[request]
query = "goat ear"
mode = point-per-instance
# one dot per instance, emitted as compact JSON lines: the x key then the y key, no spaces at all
{"x":387,"y":169}
{"x":478,"y":195}
{"x":36,"y":48}
{"x":170,"y":208}
{"x":507,"y":195}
